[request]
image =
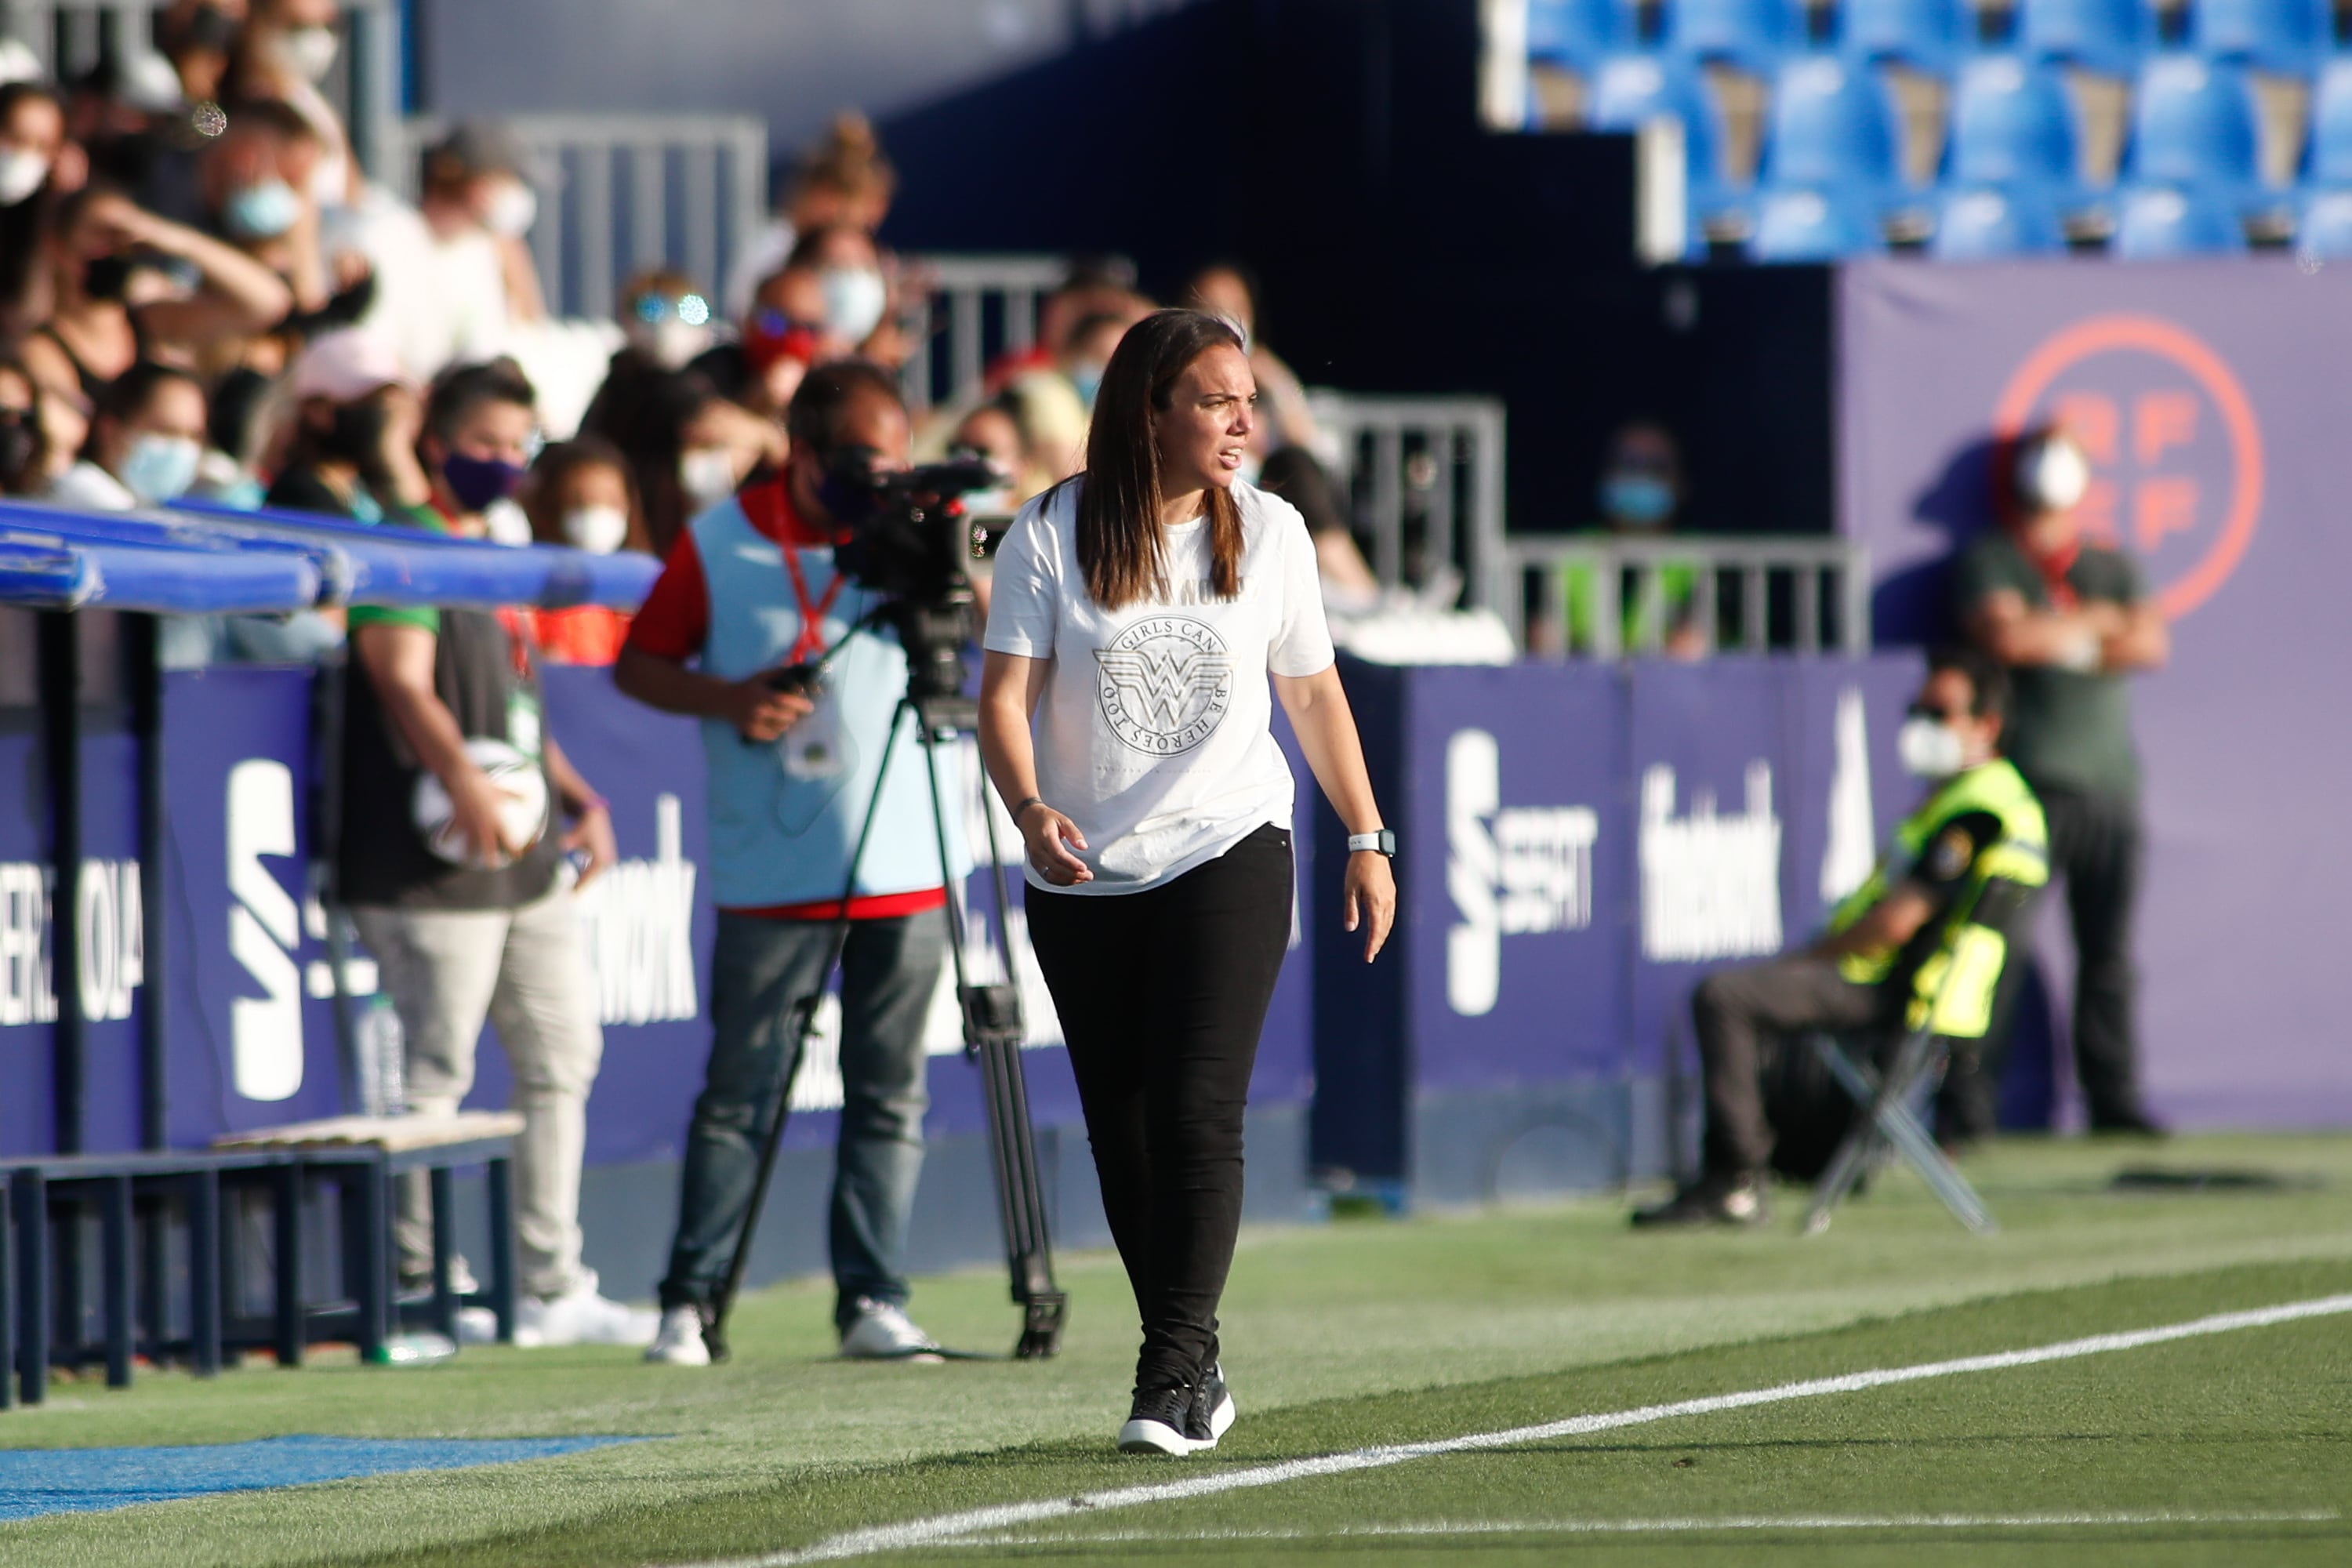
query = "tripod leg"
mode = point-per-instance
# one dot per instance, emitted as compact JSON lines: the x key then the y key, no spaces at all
{"x":993,"y":1032}
{"x":714,"y":1332}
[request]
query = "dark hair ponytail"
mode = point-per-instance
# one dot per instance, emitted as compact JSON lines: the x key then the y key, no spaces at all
{"x":1120,"y":547}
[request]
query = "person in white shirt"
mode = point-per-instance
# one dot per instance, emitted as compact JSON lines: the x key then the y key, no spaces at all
{"x":1138,"y":607}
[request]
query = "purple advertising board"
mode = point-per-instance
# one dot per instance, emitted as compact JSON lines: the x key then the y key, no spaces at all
{"x":2209,"y":398}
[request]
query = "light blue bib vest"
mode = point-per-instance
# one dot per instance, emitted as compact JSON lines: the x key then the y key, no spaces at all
{"x":777,"y":835}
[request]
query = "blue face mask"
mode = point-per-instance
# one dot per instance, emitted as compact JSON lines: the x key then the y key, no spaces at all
{"x":262,"y":212}
{"x":1641,"y":500}
{"x":160,"y":468}
{"x":478,"y":481}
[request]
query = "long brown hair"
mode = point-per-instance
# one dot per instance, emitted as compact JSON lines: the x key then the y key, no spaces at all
{"x":1120,"y":547}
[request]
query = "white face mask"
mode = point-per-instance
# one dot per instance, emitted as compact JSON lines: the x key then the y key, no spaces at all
{"x":854,"y":298}
{"x":2052,"y":477}
{"x":1928,"y":750}
{"x":308,"y":52}
{"x":512,"y":211}
{"x":22,"y":172}
{"x":709,"y":475}
{"x":673,"y":344}
{"x":598,"y":530}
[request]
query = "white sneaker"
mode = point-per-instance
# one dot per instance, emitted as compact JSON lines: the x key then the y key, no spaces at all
{"x":681,"y":1340}
{"x":476,"y":1326}
{"x":883,"y":1331}
{"x":582,"y":1317}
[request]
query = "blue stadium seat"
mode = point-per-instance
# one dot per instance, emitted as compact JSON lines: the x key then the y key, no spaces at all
{"x":2273,"y":35}
{"x":2101,"y":35}
{"x":1628,"y":89}
{"x":1578,"y":32}
{"x":2193,"y":123}
{"x":1922,"y":33}
{"x":1832,"y":125}
{"x":1988,"y":224}
{"x":2160,"y":223}
{"x":1751,"y":34}
{"x":1799,"y":224}
{"x":2013,"y":124}
{"x":2331,"y":125}
{"x":2325,"y":228}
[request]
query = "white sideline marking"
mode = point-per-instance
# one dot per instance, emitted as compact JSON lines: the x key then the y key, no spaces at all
{"x":1654,"y":1526}
{"x":944,"y":1528}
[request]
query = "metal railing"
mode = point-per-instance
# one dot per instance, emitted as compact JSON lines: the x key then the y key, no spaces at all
{"x":975,"y":308}
{"x":1424,"y":476}
{"x":1747,"y":595}
{"x":632,"y":191}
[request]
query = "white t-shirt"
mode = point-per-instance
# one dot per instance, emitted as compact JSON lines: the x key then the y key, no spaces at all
{"x":1153,"y":730}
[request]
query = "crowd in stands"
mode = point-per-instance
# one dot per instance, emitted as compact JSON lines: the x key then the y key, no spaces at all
{"x":203,"y":296}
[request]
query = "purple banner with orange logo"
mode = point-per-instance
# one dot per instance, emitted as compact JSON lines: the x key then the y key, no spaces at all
{"x":2211,"y":399}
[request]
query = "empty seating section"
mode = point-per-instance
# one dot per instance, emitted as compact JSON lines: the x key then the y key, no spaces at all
{"x":1978,"y":131}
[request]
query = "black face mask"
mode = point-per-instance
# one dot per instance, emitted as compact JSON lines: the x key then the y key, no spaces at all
{"x":356,"y":436}
{"x":106,"y":276}
{"x":19,"y":442}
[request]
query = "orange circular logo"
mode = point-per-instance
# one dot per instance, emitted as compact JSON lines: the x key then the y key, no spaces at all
{"x":2175,"y":450}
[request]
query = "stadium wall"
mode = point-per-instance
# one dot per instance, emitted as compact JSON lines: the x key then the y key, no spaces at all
{"x":2210,"y":395}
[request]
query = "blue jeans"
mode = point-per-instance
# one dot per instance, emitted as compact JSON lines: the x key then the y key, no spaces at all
{"x":758,"y":969}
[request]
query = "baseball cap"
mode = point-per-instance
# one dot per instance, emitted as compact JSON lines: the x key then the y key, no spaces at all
{"x":347,"y":365}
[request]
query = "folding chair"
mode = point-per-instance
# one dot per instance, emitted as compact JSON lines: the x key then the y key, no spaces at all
{"x":1891,"y":1125}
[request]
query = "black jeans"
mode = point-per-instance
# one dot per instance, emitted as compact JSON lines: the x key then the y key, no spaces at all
{"x":1733,"y":1010}
{"x":1162,"y":994}
{"x":2097,"y":844}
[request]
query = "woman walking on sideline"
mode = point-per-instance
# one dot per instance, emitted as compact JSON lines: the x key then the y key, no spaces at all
{"x":1136,"y":605}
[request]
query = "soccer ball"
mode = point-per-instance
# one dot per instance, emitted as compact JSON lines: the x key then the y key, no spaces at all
{"x":519,"y":780}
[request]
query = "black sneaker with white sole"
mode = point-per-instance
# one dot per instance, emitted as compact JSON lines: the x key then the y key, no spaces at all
{"x":1155,"y":1423}
{"x":1212,"y":1413}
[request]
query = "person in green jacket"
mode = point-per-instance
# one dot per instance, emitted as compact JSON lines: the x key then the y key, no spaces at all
{"x":1919,"y":945}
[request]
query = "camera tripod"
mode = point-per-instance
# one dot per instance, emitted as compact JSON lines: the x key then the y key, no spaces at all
{"x":993,"y":1033}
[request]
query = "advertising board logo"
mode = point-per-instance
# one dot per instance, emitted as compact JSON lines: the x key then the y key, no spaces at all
{"x":1165,"y":684}
{"x":2176,"y":451}
{"x":1514,"y":870}
{"x":1710,"y":880}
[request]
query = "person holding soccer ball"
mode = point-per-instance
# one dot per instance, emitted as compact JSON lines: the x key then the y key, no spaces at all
{"x":459,"y":896}
{"x":1124,"y":718}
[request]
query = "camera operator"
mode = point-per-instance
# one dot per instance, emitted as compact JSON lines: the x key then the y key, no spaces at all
{"x":749,"y":599}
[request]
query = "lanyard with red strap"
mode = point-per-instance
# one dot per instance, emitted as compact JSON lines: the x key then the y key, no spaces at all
{"x":771,"y":513}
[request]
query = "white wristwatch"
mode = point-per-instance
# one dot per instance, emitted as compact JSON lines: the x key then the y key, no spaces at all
{"x":1381,"y":841}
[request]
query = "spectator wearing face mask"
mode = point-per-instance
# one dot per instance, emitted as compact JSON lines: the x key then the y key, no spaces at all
{"x":37,"y":166}
{"x":24,"y":449}
{"x":492,"y":936}
{"x":1641,"y":494}
{"x":356,"y":421}
{"x":103,"y":325}
{"x":665,"y":319}
{"x":578,"y":494}
{"x":855,"y":308}
{"x":255,"y":186}
{"x":453,"y":276}
{"x":842,"y":179}
{"x":286,"y":50}
{"x":146,"y":438}
{"x":781,"y":336}
{"x":2072,"y":618}
{"x":1057,"y":401}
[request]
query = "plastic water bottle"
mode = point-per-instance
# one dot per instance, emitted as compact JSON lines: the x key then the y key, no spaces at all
{"x":381,"y":1047}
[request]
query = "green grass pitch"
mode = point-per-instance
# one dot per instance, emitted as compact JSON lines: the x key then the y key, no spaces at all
{"x":2229,"y":1447}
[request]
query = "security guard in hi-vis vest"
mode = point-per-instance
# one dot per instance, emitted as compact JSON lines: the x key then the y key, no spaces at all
{"x":1920,"y":944}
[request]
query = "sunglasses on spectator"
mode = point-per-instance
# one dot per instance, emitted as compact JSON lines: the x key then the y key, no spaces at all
{"x":693,"y":310}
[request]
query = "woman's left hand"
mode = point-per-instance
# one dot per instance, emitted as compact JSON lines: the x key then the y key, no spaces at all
{"x":1369,"y":896}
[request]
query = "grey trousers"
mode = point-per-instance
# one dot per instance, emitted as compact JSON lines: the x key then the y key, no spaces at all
{"x":525,"y":969}
{"x":1733,"y":1009}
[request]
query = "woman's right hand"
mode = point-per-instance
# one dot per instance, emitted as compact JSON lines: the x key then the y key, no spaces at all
{"x":1050,"y":836}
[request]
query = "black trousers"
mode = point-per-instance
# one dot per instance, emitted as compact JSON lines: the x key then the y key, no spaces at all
{"x":1162,"y":994}
{"x":2098,"y":846}
{"x":1733,"y":1010}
